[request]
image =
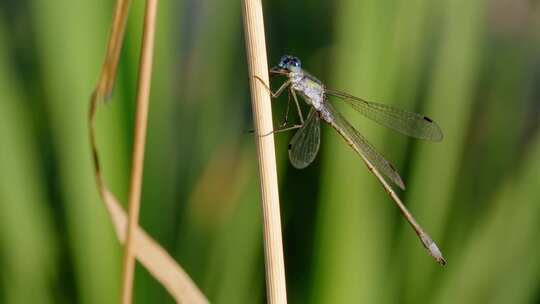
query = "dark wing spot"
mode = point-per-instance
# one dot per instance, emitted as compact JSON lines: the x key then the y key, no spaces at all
{"x":290,"y":146}
{"x":427,"y":119}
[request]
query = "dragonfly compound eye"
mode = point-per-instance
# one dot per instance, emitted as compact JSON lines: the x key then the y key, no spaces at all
{"x":284,"y":61}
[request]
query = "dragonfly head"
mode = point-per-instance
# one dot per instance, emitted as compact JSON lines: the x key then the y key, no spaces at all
{"x":286,"y":65}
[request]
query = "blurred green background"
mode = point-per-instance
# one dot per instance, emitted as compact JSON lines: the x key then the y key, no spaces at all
{"x":473,"y":66}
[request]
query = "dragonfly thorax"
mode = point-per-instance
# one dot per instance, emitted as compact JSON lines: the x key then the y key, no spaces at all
{"x":309,"y":88}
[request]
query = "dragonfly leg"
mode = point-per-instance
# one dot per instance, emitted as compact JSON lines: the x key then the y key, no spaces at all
{"x":297,"y":105}
{"x":286,"y":120}
{"x":283,"y":130}
{"x":276,"y":93}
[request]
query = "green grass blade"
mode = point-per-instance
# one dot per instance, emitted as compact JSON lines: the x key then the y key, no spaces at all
{"x":499,"y":262}
{"x":435,"y":166}
{"x":26,"y":234}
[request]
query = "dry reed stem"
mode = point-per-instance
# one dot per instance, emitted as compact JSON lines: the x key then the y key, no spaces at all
{"x":141,"y":117}
{"x":262,"y":114}
{"x":151,"y":255}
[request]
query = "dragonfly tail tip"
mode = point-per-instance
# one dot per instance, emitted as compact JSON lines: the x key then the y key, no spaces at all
{"x":433,"y":249}
{"x":437,"y":254}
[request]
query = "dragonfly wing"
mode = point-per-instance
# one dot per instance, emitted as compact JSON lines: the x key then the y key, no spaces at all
{"x":362,"y":146}
{"x":408,"y":123}
{"x":305,"y":143}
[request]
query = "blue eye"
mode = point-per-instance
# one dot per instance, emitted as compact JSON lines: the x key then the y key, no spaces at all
{"x":288,"y":61}
{"x":284,"y":61}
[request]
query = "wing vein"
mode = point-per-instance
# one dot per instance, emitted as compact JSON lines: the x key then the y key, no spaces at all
{"x":408,"y":123}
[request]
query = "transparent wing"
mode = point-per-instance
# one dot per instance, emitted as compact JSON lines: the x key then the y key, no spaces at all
{"x":408,"y":123}
{"x":362,"y":146}
{"x":305,"y":143}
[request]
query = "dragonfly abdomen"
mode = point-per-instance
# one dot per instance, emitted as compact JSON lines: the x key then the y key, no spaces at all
{"x":325,"y":114}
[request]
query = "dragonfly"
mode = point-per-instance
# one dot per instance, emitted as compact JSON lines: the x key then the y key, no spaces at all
{"x":305,"y":143}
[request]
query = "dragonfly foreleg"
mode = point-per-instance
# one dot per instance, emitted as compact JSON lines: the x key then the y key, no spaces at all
{"x":278,"y":92}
